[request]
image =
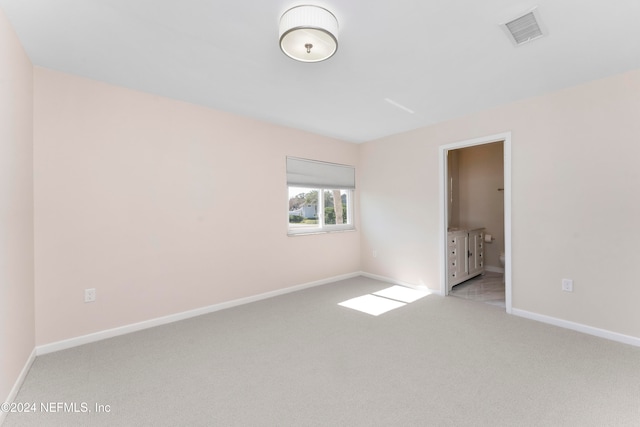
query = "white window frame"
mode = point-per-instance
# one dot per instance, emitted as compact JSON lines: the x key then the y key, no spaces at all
{"x":321,"y":227}
{"x":321,"y":176}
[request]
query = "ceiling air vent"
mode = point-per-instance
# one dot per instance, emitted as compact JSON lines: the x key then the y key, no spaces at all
{"x":525,"y":28}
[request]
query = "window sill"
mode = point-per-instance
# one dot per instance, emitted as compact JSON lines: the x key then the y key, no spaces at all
{"x":315,"y":232}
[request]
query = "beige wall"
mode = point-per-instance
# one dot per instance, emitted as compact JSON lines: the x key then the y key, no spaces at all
{"x":481,"y":173}
{"x":575,"y":168}
{"x":163,"y":207}
{"x":16,"y":208}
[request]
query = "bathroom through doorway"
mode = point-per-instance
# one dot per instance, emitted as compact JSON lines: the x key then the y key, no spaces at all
{"x":476,"y":219}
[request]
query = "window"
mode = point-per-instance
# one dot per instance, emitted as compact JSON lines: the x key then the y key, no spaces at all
{"x":320,"y":196}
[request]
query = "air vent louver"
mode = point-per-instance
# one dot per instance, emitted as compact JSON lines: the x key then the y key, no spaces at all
{"x":525,"y":28}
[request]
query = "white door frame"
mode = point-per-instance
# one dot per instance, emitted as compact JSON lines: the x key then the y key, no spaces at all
{"x":506,"y":139}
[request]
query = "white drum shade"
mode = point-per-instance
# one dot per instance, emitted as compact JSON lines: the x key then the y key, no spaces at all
{"x":308,"y":33}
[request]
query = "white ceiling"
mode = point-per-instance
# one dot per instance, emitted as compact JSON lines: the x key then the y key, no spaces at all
{"x":440,"y":58}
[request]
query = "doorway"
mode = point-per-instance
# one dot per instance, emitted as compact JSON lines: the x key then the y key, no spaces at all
{"x":446,"y":208}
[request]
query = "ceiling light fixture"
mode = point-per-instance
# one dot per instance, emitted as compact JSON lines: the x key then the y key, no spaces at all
{"x":308,"y":33}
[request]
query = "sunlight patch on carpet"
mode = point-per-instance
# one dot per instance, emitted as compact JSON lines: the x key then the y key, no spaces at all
{"x":372,"y":304}
{"x":402,"y":293}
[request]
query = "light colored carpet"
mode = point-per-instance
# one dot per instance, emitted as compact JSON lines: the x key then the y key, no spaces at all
{"x":303,"y":360}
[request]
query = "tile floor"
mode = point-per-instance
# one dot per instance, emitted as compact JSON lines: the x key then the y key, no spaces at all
{"x":488,"y":288}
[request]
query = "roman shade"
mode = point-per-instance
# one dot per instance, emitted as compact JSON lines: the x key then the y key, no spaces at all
{"x":312,"y":173}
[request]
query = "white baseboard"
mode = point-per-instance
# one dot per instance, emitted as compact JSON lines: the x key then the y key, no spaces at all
{"x":398,"y":282}
{"x":602,"y":333}
{"x":134,"y":327}
{"x":16,"y":386}
{"x":110,"y":333}
{"x":493,"y":269}
{"x":590,"y":330}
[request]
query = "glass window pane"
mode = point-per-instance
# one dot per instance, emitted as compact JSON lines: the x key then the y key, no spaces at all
{"x":315,"y":210}
{"x":335,"y":207}
{"x":303,"y":208}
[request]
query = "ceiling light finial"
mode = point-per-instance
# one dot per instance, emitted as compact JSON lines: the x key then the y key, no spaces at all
{"x":305,"y":27}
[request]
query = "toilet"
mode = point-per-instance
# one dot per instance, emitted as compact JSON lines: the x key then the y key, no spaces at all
{"x":502,"y":264}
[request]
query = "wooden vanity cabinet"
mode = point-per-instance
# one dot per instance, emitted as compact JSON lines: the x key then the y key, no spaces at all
{"x":465,"y":255}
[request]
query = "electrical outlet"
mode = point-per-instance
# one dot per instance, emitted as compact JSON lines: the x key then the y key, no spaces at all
{"x":90,"y":295}
{"x":567,"y":285}
{"x":375,"y":253}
